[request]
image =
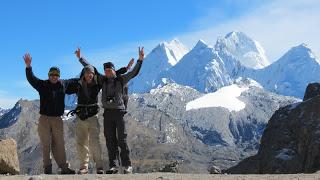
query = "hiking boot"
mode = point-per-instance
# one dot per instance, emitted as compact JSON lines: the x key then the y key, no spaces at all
{"x":68,"y":171}
{"x":83,"y":170}
{"x":48,"y":169}
{"x":100,"y":171}
{"x":128,"y":170}
{"x":113,"y":170}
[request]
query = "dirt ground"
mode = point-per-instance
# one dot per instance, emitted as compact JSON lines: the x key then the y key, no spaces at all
{"x":166,"y":176}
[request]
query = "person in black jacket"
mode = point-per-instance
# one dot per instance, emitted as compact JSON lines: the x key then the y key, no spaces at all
{"x":50,"y":127}
{"x":87,"y":124}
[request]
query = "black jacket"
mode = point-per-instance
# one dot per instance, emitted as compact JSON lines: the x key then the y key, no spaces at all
{"x":51,"y":95}
{"x":87,"y":93}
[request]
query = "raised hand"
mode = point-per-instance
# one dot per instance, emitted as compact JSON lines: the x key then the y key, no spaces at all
{"x":130,"y":64}
{"x":141,"y":53}
{"x":27,"y":59}
{"x":78,"y":53}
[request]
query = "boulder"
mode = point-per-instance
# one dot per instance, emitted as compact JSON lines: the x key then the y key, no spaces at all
{"x":9,"y":162}
{"x":172,"y":167}
{"x":214,"y":170}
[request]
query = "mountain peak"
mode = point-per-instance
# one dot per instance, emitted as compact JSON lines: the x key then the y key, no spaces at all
{"x":300,"y":53}
{"x":302,"y":47}
{"x":244,"y":49}
{"x":234,"y":34}
{"x":173,"y":43}
{"x":174,"y":50}
{"x":201,"y":44}
{"x":176,"y":41}
{"x":159,"y":60}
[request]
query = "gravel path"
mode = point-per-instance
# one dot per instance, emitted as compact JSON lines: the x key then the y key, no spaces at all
{"x":166,"y":176}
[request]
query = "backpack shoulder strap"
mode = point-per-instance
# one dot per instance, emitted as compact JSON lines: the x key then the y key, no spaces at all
{"x":120,"y":78}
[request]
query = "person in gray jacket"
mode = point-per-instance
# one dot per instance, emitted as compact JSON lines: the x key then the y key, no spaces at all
{"x":114,"y":111}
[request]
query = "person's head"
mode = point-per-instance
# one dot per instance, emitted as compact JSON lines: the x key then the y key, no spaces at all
{"x":88,"y":73}
{"x":54,"y":75}
{"x":109,"y":69}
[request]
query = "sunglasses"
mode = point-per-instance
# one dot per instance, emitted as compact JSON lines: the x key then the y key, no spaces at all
{"x":56,"y":75}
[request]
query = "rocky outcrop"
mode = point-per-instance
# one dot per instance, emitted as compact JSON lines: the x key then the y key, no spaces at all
{"x":290,"y":142}
{"x":313,"y":90}
{"x":9,"y":163}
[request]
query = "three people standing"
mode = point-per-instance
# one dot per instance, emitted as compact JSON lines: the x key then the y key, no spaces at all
{"x":87,"y":88}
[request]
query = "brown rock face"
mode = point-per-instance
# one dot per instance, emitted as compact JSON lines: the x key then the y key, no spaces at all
{"x":290,"y":142}
{"x":9,"y":162}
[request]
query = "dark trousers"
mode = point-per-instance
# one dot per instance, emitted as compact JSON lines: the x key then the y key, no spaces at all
{"x":116,"y":135}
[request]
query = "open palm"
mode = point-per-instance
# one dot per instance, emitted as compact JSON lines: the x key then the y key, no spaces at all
{"x":27,"y":59}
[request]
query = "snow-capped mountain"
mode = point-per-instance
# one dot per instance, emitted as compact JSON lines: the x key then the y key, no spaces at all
{"x":11,"y":116}
{"x":3,"y":111}
{"x":206,"y":68}
{"x":160,"y":59}
{"x":290,"y":74}
{"x":201,"y":68}
{"x":244,"y":49}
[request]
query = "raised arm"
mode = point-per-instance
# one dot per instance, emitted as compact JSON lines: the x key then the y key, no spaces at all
{"x":135,"y":71}
{"x":84,"y":62}
{"x":124,"y":70}
{"x":32,"y":79}
{"x":71,"y":85}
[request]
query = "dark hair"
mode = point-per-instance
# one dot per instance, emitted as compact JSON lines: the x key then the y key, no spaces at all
{"x":108,"y":65}
{"x":54,"y":68}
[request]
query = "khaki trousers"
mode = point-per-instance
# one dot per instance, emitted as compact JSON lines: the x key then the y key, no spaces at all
{"x":88,"y":142}
{"x":50,"y":130}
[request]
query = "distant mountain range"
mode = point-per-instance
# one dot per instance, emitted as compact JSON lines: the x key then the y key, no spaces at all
{"x":208,"y":68}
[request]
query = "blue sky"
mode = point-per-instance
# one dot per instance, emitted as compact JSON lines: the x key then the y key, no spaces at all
{"x":51,"y":30}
